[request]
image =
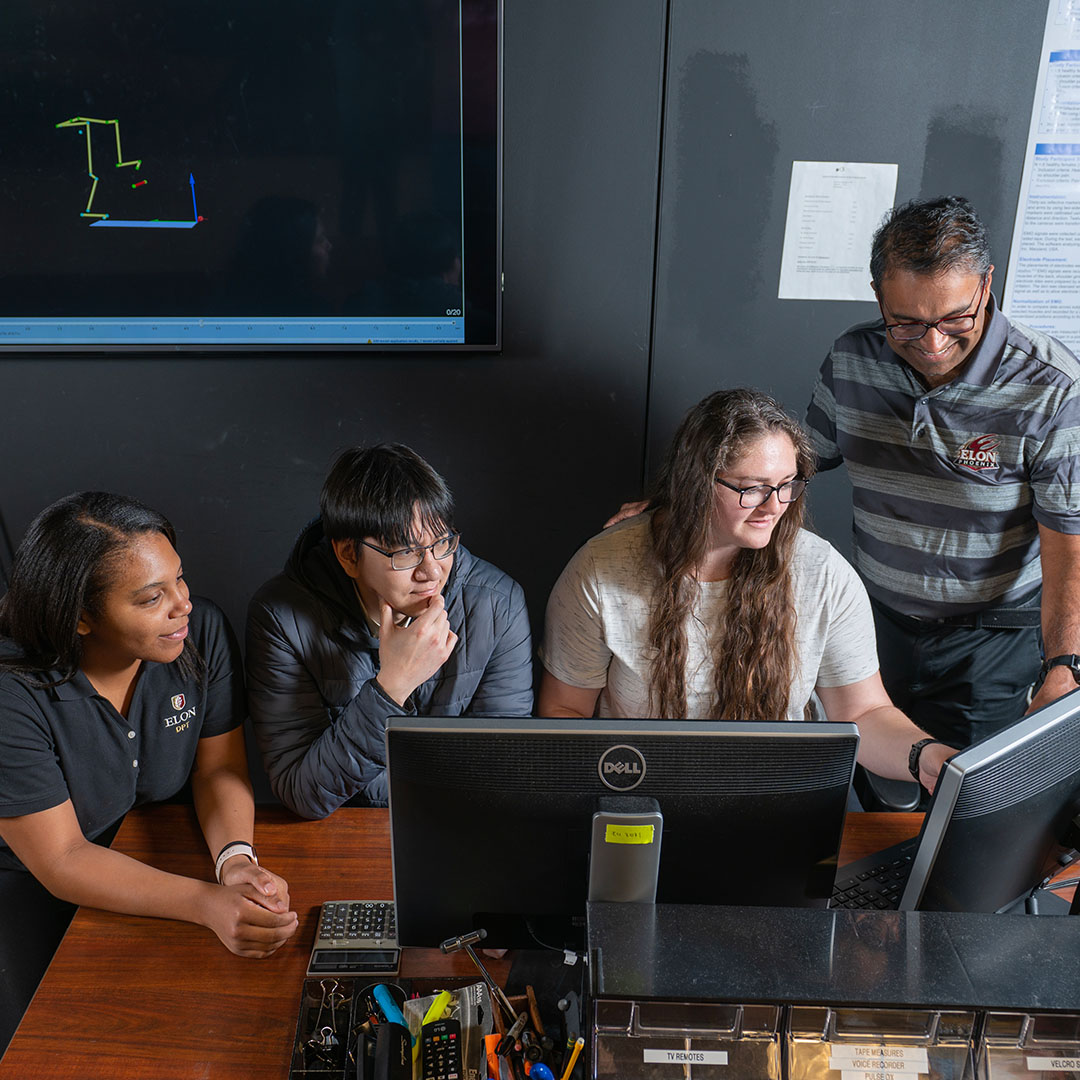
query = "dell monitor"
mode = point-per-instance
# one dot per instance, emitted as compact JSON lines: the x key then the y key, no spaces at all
{"x":491,"y":818}
{"x":1002,"y":811}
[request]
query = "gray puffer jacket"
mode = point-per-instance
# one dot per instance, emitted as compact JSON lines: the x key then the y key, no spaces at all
{"x":319,"y":715}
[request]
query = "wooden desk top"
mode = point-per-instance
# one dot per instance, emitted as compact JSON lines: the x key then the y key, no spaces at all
{"x":153,"y":999}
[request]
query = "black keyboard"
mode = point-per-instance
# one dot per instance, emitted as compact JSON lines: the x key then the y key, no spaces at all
{"x":876,"y":882}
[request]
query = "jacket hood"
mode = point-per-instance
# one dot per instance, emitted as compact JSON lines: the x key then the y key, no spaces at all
{"x":313,"y":564}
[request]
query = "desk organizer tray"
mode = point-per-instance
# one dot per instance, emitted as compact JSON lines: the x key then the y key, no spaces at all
{"x":336,"y":1013}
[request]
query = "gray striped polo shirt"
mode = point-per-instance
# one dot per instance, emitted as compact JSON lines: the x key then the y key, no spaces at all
{"x":951,"y":484}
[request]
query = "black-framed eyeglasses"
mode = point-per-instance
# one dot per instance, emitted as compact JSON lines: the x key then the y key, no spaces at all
{"x":408,"y":558}
{"x":950,"y":326}
{"x":759,"y":494}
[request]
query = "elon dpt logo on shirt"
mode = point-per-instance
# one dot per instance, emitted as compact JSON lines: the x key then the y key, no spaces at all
{"x":181,"y":719}
{"x":980,"y":453}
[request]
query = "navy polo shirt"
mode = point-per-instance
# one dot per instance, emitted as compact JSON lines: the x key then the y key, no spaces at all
{"x":68,"y":742}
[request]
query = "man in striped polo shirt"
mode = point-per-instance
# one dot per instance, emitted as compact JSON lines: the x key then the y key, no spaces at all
{"x":961,"y":432}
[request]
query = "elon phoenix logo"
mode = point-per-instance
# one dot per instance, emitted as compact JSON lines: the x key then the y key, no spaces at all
{"x":621,"y":768}
{"x":980,"y":453}
{"x":177,"y":701}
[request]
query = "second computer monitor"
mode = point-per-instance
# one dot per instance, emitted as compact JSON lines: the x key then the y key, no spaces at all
{"x":1002,"y":810}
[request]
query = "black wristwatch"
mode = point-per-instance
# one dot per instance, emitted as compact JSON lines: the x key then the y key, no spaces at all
{"x":915,"y":753}
{"x":1071,"y":661}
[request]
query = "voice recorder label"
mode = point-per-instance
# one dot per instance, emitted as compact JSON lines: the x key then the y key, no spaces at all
{"x":862,"y":1062}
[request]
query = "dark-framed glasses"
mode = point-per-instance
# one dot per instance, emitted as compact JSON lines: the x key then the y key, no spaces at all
{"x":408,"y":558}
{"x":950,"y":326}
{"x":759,"y":494}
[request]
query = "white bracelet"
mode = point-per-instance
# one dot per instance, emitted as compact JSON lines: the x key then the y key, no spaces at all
{"x":237,"y":847}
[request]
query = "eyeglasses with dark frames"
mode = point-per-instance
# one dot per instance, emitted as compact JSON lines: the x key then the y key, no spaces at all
{"x":409,"y":558}
{"x":759,"y":494}
{"x":950,"y":326}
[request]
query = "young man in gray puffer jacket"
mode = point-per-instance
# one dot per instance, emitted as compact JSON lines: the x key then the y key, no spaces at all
{"x":379,"y":612}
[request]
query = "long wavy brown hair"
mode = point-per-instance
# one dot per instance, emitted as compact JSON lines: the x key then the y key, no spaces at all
{"x":754,"y":654}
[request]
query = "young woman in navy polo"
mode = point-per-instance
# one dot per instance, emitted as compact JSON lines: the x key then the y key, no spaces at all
{"x":115,"y":688}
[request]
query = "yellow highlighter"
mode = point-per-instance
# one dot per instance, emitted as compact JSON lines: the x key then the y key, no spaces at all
{"x":435,"y":1011}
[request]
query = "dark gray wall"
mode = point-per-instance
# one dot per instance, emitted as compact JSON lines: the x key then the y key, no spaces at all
{"x":942,"y":88}
{"x":541,"y":442}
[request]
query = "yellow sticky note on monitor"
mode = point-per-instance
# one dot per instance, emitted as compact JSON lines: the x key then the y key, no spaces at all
{"x":628,"y":834}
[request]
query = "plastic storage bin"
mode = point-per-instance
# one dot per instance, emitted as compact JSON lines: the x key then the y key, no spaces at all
{"x":1027,"y":1046}
{"x":651,"y":1040}
{"x":879,"y":1044}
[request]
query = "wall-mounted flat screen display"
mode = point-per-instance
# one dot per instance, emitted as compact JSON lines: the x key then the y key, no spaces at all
{"x":250,"y":174}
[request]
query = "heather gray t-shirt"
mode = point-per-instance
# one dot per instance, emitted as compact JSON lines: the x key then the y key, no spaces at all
{"x":596,"y":632}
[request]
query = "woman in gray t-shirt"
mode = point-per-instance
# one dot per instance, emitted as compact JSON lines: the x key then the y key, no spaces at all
{"x":715,"y":603}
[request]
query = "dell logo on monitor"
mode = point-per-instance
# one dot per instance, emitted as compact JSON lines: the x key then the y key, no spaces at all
{"x":621,"y":768}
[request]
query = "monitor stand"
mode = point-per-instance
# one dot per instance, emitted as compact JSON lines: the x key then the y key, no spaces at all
{"x":624,"y":854}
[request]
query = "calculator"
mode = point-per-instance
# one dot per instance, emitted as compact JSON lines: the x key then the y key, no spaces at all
{"x":356,"y":937}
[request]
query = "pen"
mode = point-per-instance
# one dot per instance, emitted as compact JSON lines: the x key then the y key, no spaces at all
{"x":573,"y":1058}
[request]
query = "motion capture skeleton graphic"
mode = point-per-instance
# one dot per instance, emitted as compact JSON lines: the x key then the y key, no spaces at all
{"x":83,"y":126}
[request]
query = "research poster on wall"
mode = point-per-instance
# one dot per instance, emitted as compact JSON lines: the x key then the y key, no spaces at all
{"x":1042,"y":285}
